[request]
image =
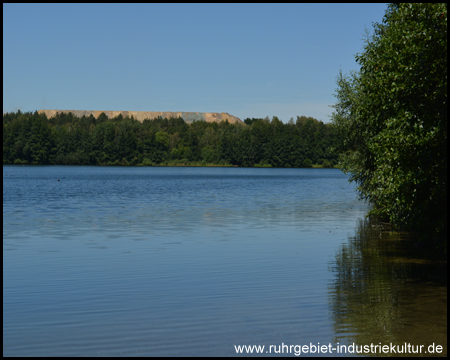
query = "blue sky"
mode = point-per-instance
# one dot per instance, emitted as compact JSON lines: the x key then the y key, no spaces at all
{"x":245,"y":59}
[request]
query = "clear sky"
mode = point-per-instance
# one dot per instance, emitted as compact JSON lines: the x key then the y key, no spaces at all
{"x":250,"y":60}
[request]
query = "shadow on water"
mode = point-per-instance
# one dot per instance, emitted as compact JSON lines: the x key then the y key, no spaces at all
{"x":385,"y":290}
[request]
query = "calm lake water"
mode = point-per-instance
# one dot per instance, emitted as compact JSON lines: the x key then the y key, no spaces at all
{"x":101,"y":261}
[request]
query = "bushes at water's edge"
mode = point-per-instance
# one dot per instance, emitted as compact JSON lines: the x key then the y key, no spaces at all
{"x":31,"y":138}
{"x":392,"y":119}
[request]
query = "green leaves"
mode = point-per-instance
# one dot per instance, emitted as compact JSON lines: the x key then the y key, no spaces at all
{"x":68,"y":140}
{"x":391,"y":118}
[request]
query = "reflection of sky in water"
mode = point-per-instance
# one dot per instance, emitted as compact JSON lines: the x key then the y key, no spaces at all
{"x":142,"y":200}
{"x":174,"y":261}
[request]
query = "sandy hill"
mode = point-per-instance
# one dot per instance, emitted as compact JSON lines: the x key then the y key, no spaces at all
{"x":142,"y":115}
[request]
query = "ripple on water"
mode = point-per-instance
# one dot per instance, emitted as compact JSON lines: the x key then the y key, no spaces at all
{"x":176,"y":261}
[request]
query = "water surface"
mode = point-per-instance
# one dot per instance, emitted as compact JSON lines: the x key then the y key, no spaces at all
{"x":176,"y":261}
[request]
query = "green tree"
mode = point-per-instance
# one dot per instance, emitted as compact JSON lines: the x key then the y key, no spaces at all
{"x":307,"y":163}
{"x":31,"y":138}
{"x":41,"y":141}
{"x":391,"y":117}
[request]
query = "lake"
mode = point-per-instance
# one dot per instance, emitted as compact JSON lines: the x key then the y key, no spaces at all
{"x":160,"y":261}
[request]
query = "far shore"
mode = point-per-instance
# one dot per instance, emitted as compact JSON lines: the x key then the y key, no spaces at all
{"x":314,"y":166}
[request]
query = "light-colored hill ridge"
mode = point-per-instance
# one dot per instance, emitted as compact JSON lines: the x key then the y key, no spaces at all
{"x":142,"y":115}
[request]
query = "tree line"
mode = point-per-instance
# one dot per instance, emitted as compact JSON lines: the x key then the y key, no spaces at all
{"x":32,"y":138}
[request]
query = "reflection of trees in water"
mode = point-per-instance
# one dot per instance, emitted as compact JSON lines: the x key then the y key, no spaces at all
{"x":384,"y":291}
{"x":362,"y":286}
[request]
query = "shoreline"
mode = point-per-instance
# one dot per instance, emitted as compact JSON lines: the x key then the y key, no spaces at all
{"x":182,"y":165}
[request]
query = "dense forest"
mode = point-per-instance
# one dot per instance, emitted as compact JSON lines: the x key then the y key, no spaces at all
{"x":31,"y":138}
